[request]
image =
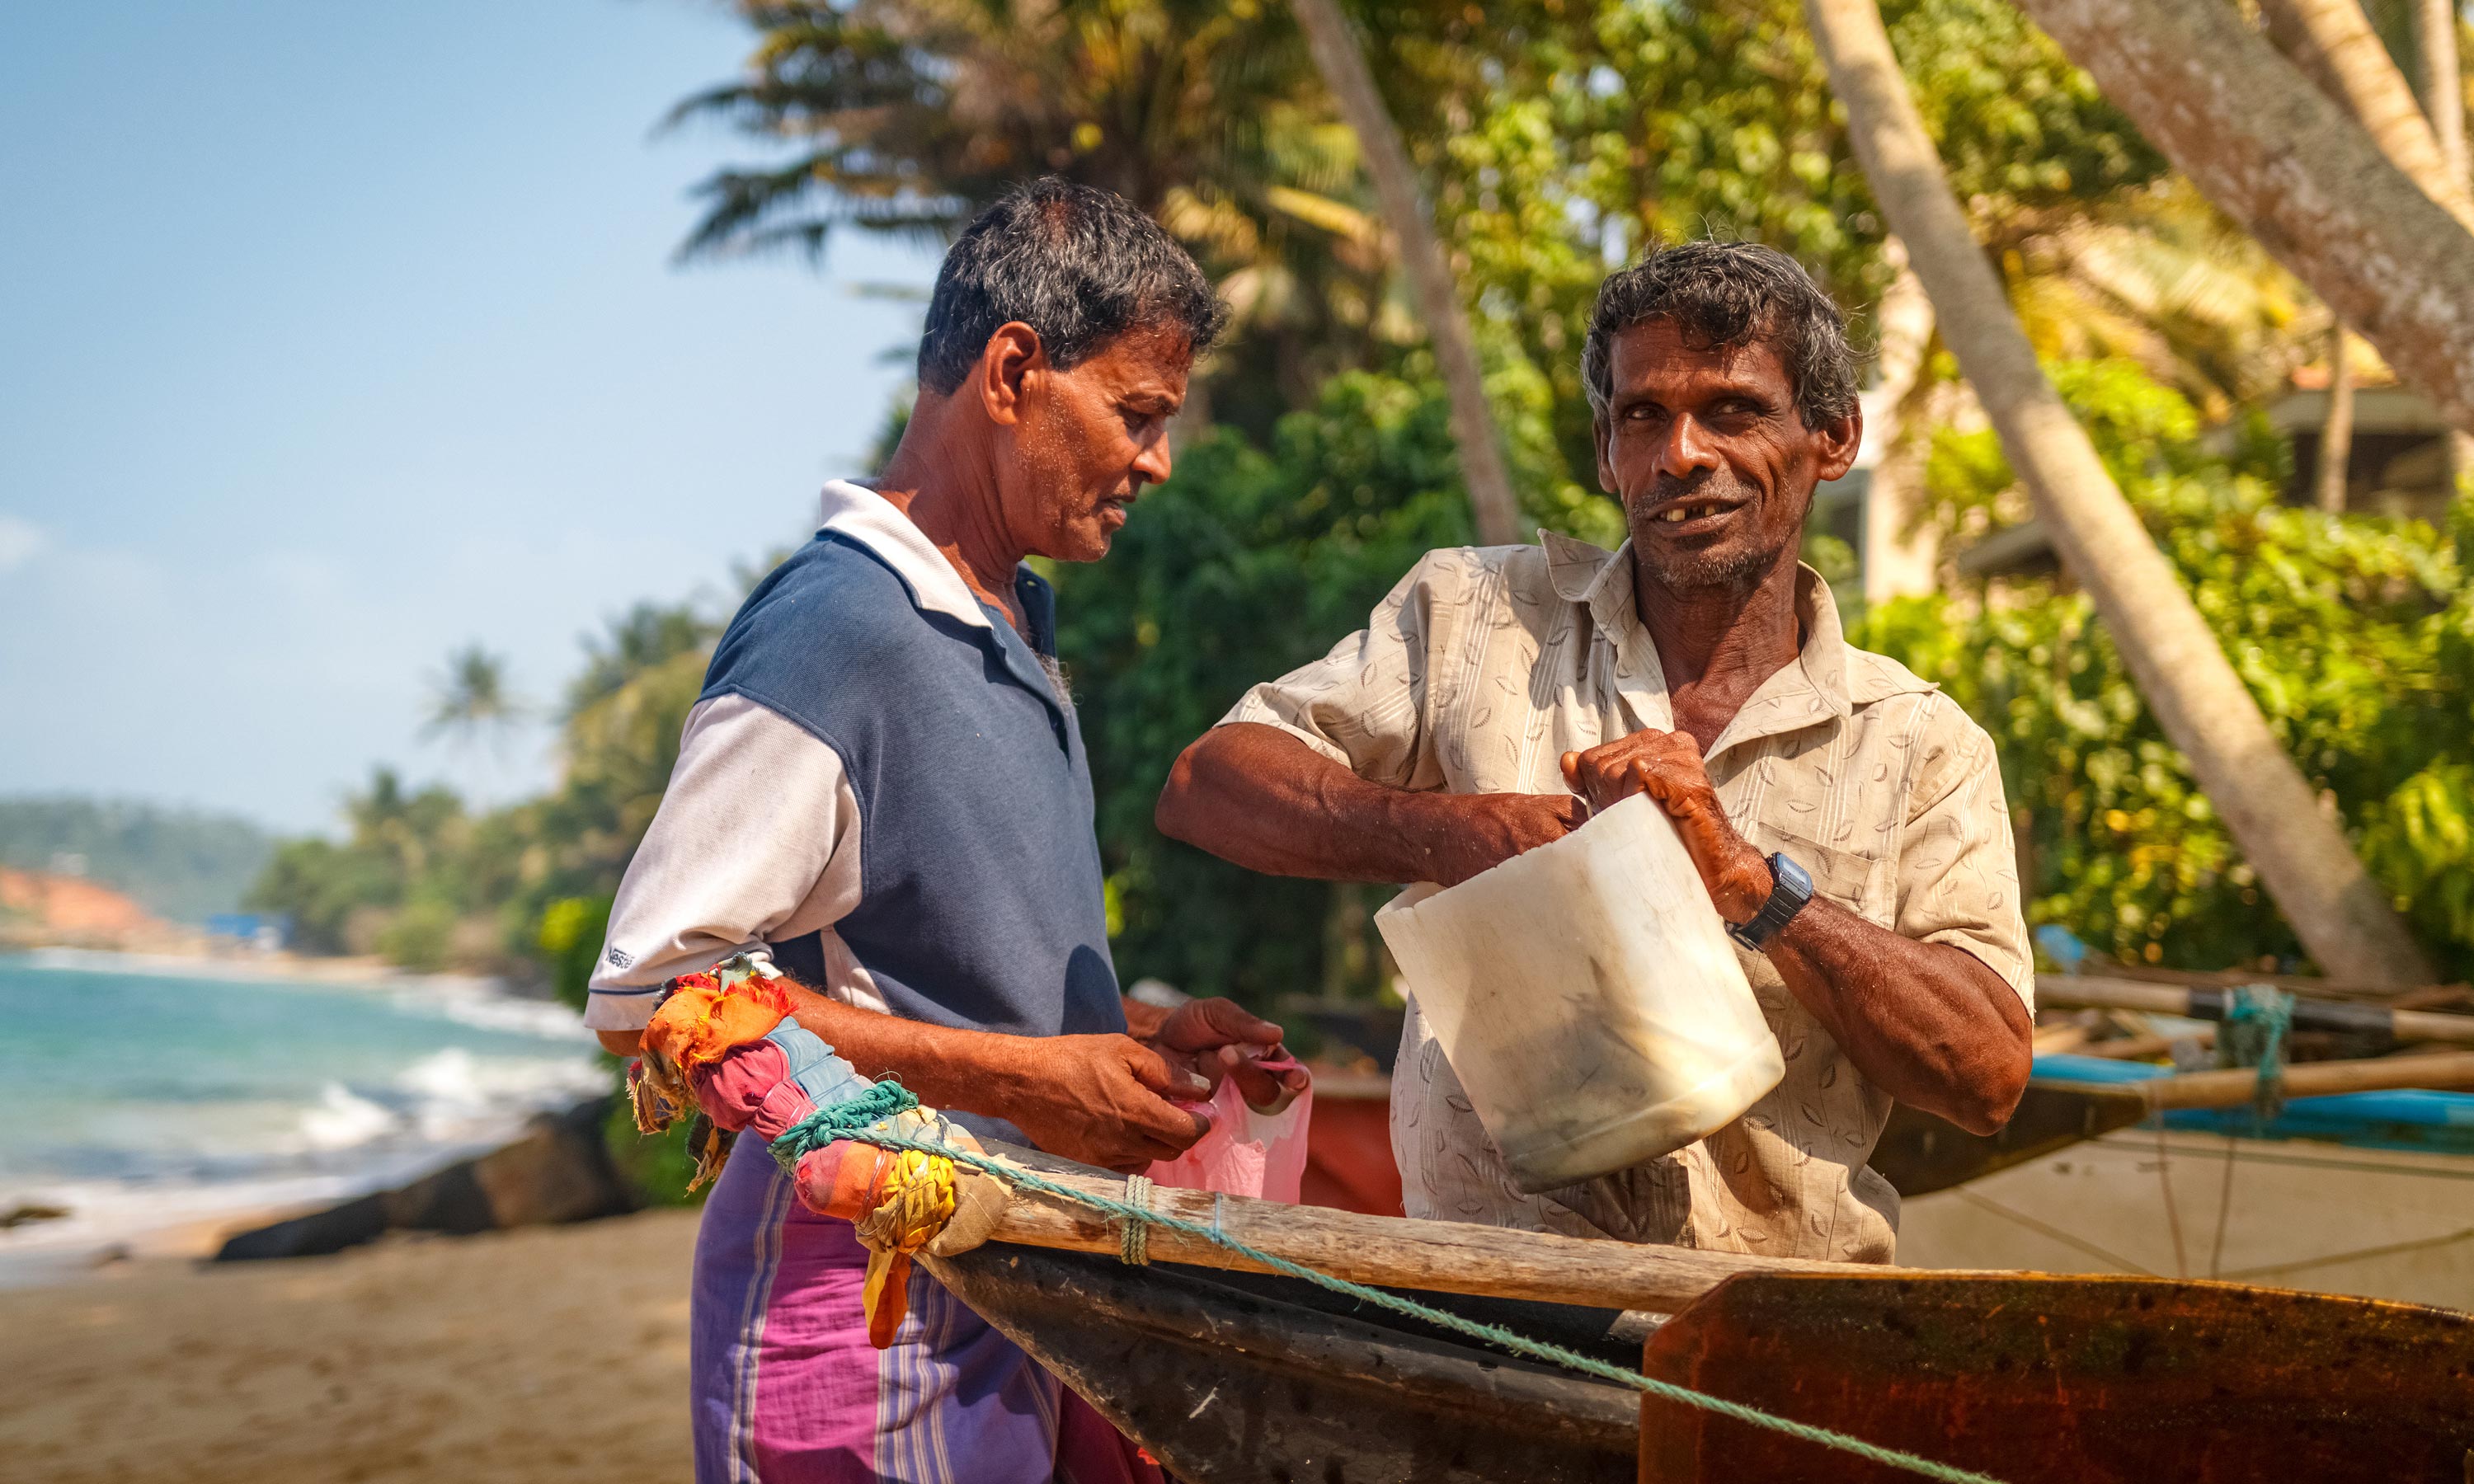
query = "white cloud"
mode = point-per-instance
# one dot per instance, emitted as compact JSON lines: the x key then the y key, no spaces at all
{"x":21,"y":540}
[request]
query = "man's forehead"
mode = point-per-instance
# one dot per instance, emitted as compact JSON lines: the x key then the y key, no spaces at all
{"x":1658,"y":351}
{"x":1144,"y":358}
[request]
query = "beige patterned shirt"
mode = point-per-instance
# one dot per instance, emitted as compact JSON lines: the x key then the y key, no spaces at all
{"x":1480,"y":670}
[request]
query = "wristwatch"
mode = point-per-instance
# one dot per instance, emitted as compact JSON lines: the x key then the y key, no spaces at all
{"x":1789,"y":891}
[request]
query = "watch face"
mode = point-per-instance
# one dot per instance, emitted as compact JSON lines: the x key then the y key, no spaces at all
{"x":1792,"y":876}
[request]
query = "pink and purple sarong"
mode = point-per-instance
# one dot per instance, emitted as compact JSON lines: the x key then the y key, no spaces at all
{"x":788,"y":1390}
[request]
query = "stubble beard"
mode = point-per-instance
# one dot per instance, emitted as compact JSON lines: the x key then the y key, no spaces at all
{"x":1738,"y":570}
{"x":1735,"y":567}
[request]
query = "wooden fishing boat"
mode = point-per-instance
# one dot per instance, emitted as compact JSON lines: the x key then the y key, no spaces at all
{"x":2367,"y":1194}
{"x":1254,"y":1376}
{"x":1229,"y":1376}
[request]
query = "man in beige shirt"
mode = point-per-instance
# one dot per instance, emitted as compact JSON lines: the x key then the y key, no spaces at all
{"x":1847,"y":816}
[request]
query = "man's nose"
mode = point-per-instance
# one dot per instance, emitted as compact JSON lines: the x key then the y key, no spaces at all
{"x":1687,"y":449}
{"x":1152,"y":461}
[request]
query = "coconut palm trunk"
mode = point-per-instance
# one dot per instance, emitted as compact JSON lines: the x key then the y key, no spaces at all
{"x":2443,"y":99}
{"x":2333,"y":42}
{"x":2336,"y":428}
{"x":1344,"y":72}
{"x":2443,"y":84}
{"x":2340,"y":913}
{"x":2294,"y":170}
{"x":1899,"y":559}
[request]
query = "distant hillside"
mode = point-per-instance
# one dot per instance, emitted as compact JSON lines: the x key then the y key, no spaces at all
{"x":178,"y":864}
{"x":40,"y":908}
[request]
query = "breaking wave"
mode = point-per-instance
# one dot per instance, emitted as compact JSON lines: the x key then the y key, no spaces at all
{"x":158,"y":1100}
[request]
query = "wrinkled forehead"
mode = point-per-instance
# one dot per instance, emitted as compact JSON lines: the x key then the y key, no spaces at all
{"x":1660,"y":358}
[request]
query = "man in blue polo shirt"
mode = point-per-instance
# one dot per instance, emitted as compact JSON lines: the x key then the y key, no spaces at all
{"x":883,"y":788}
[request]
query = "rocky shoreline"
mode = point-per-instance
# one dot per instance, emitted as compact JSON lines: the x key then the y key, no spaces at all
{"x":557,"y":1171}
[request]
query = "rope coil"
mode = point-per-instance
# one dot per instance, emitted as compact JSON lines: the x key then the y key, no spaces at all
{"x":1134,"y":1233}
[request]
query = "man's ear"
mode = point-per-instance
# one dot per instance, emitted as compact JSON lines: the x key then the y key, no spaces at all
{"x":1012,"y":354}
{"x":1606,"y":459}
{"x":1838,"y":445}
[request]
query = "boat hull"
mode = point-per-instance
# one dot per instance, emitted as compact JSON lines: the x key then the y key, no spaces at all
{"x":2038,"y":1379}
{"x":1227,"y":1380}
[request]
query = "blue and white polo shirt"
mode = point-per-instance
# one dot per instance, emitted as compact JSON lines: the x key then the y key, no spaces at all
{"x":884,"y":788}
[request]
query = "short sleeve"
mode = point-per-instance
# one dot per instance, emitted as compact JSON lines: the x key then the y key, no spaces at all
{"x":756,"y":842}
{"x":1364,"y":705}
{"x":1959,"y":869}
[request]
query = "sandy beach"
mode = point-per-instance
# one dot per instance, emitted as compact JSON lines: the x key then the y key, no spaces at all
{"x":543,"y":1356}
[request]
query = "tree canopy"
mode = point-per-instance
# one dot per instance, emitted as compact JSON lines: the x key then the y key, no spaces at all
{"x":1557,"y":138}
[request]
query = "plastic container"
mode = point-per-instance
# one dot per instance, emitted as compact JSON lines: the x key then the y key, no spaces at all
{"x":1588,"y":998}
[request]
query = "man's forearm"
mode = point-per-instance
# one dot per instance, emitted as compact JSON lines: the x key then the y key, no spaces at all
{"x":1929,"y":1023}
{"x":968,"y":1071}
{"x":1258,"y":797}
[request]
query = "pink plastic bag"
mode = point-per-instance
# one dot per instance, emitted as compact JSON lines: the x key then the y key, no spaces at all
{"x":1245,"y":1153}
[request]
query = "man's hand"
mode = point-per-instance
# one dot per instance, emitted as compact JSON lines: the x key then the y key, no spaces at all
{"x":1213,"y":1037}
{"x":1667,"y":765}
{"x":1104,"y":1100}
{"x":1467,"y":833}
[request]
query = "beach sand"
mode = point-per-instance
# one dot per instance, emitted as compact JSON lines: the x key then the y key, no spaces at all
{"x":551,"y":1356}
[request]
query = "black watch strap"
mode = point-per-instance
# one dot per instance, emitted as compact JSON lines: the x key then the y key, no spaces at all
{"x":1790,"y":889}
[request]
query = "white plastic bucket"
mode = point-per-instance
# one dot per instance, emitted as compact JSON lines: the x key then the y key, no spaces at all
{"x":1588,"y":998}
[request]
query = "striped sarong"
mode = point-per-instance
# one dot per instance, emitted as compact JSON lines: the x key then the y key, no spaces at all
{"x":788,"y":1390}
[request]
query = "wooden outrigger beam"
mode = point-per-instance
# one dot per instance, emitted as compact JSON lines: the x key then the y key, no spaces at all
{"x":2236,"y":1085}
{"x":2094,"y":992}
{"x":1443,"y":1257}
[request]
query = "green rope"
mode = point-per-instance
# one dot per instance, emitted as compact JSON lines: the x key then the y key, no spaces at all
{"x":826,"y":1124}
{"x":2257,"y":1020}
{"x":850,"y":1118}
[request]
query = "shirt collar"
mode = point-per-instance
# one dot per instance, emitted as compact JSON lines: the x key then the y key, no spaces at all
{"x":854,"y":510}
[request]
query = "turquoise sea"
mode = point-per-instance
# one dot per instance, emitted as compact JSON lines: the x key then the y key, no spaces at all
{"x":146,"y":1094}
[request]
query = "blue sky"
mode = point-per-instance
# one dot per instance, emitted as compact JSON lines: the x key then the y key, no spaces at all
{"x":335,"y":336}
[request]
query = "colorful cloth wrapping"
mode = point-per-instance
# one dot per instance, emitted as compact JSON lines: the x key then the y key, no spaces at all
{"x":723,"y":1044}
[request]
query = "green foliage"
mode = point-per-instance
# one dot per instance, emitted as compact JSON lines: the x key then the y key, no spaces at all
{"x":658,"y":1166}
{"x":180,"y":864}
{"x":1557,"y":140}
{"x":2351,"y":633}
{"x":343,"y":898}
{"x":907,"y":116}
{"x":421,"y":935}
{"x":471,"y":696}
{"x":571,"y":931}
{"x":2020,"y":129}
{"x":1564,"y":139}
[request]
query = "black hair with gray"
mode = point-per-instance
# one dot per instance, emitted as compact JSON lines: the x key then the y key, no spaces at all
{"x":1725,"y":294}
{"x":1077,"y":264}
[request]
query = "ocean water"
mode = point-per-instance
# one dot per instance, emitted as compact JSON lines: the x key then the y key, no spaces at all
{"x":141,"y":1097}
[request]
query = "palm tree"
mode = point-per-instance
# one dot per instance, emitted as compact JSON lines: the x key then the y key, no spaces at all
{"x":905,"y":117}
{"x":472,"y":697}
{"x":2336,"y":908}
{"x":1343,"y":69}
{"x":2295,"y":169}
{"x":2158,"y":275}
